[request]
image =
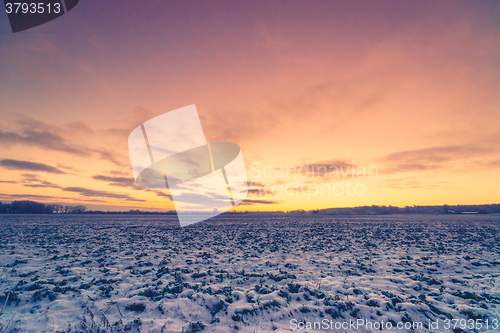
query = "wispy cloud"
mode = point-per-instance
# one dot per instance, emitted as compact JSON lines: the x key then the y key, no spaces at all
{"x":123,"y":181}
{"x":257,"y":184}
{"x":434,"y":157}
{"x":49,"y":137}
{"x":71,"y":128}
{"x":30,"y":166}
{"x":45,"y":185}
{"x":27,"y":196}
{"x":323,"y":169}
{"x":68,"y":168}
{"x":257,"y":192}
{"x":116,"y":181}
{"x":257,"y":189}
{"x":42,"y":139}
{"x":415,"y":184}
{"x":107,"y":155}
{"x":32,"y":180}
{"x":249,"y":202}
{"x":161,"y":194}
{"x":95,"y":193}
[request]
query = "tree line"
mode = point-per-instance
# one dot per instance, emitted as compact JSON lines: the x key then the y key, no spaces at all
{"x":387,"y":210}
{"x":32,"y":207}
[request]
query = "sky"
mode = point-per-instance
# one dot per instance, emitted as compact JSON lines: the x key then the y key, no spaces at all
{"x":362,"y":102}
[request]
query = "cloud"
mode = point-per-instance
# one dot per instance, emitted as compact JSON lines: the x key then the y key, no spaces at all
{"x":328,"y":99}
{"x":493,"y":164}
{"x":32,"y":180}
{"x":210,"y":199}
{"x":116,"y":181}
{"x":323,"y":169}
{"x":119,"y":173}
{"x":30,"y":177}
{"x":51,"y":141}
{"x":249,"y":202}
{"x":27,"y":196}
{"x":49,"y":185}
{"x":257,"y":120}
{"x":62,"y":166}
{"x":8,"y":182}
{"x":261,"y":189}
{"x":415,"y":184}
{"x":258,"y":184}
{"x":433,"y":158}
{"x":94,"y":193}
{"x":42,"y":139}
{"x":128,"y":182}
{"x":50,"y":137}
{"x":30,"y":166}
{"x":105,"y":154}
{"x":70,"y":128}
{"x":46,"y":198}
{"x":79,"y":127}
{"x":258,"y":192}
{"x":161,"y":194}
{"x":438,"y":154}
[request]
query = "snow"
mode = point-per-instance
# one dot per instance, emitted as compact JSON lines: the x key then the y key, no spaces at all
{"x":246,"y":273}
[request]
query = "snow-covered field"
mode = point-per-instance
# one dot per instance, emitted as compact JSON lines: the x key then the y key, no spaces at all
{"x":250,"y":274}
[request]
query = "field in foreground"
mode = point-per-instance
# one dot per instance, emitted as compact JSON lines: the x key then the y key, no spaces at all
{"x":144,"y":274}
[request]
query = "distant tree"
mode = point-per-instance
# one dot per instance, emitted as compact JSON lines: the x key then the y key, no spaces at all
{"x":78,"y":209}
{"x":32,"y":207}
{"x":3,"y":208}
{"x":28,"y":207}
{"x":57,"y":209}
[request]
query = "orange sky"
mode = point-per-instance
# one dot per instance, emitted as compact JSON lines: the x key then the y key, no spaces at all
{"x":409,"y":88}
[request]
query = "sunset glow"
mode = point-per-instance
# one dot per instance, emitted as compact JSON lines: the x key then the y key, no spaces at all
{"x":400,"y":99}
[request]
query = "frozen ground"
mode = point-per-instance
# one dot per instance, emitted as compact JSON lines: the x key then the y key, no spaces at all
{"x":248,"y":274}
